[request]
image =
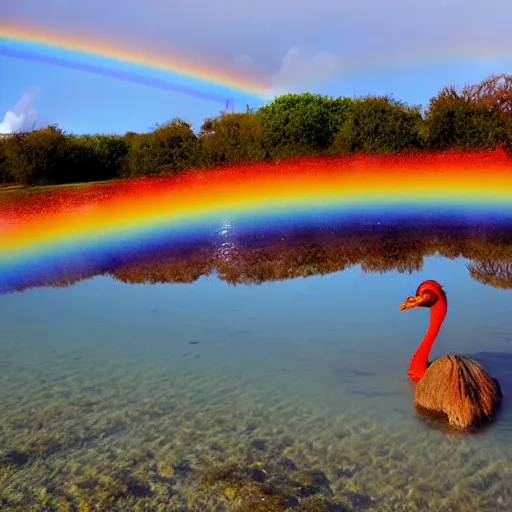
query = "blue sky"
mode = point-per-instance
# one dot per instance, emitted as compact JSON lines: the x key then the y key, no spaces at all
{"x":408,"y":48}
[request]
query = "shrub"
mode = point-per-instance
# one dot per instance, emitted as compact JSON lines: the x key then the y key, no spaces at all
{"x":380,"y":124}
{"x":172,"y":147}
{"x":232,"y":138}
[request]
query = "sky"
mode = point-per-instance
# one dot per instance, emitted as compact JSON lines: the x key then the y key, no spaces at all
{"x":407,"y":48}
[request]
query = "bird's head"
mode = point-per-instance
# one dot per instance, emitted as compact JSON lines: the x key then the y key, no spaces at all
{"x":427,"y":294}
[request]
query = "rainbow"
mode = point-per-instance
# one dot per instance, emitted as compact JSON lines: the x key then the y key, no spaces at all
{"x":126,"y":63}
{"x":48,"y":230}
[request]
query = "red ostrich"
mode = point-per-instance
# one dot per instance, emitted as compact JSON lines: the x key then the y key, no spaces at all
{"x":452,"y":388}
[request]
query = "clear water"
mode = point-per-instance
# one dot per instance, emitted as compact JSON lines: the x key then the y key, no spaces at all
{"x":130,"y":397}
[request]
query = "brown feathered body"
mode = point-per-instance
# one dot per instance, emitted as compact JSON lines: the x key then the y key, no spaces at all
{"x":459,"y":389}
{"x":452,"y":388}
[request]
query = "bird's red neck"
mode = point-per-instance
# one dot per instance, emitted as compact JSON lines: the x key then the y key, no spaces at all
{"x":419,"y":360}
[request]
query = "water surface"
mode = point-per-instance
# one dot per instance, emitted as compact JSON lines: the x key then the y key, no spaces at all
{"x":174,"y":384}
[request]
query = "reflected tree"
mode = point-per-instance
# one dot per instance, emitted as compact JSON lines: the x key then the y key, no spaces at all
{"x":498,"y":274}
{"x":290,"y":255}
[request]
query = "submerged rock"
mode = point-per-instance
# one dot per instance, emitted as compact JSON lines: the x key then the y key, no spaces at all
{"x":358,"y":501}
{"x":314,"y":482}
{"x":288,"y":464}
{"x":259,"y":444}
{"x":258,"y":474}
{"x":13,"y":458}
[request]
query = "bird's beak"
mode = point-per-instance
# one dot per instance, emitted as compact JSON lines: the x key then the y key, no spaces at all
{"x":411,"y":302}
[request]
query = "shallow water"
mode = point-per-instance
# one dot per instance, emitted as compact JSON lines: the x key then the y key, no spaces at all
{"x":140,"y":397}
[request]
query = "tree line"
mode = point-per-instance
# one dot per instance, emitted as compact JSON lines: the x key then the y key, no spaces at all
{"x":292,"y":125}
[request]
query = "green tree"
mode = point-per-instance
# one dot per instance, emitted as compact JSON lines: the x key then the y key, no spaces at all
{"x":380,"y":124}
{"x":112,"y":155}
{"x":456,"y":120}
{"x":78,"y":160}
{"x":35,"y":157}
{"x":4,"y":170}
{"x":302,"y":124}
{"x":232,"y":138}
{"x":170,"y":148}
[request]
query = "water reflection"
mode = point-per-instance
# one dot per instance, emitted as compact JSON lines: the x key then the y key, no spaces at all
{"x":249,"y":258}
{"x":292,"y":394}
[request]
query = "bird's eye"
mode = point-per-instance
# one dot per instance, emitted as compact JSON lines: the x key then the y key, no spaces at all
{"x":429,"y":298}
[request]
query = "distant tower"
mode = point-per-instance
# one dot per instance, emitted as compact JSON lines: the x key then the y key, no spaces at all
{"x":230,"y":106}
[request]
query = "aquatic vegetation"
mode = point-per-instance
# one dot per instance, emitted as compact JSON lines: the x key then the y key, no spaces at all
{"x":96,"y":437}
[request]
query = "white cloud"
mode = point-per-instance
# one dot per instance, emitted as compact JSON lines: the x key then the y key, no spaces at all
{"x":244,"y":61}
{"x":12,"y":123}
{"x":20,"y":117}
{"x":301,"y":69}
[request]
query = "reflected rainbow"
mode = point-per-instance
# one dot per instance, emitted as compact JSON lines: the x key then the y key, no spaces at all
{"x":62,"y":224}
